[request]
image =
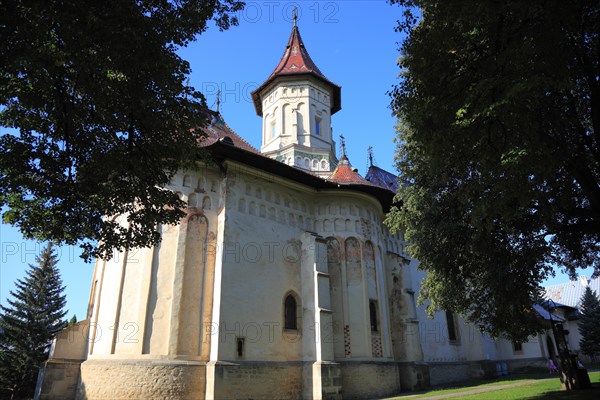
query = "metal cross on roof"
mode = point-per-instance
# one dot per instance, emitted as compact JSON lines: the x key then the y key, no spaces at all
{"x":218,"y":101}
{"x":295,"y":14}
{"x":343,"y":144}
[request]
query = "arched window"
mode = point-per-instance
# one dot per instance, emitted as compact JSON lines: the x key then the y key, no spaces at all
{"x":452,"y":327}
{"x":290,"y":313}
{"x":206,"y":203}
{"x":192,"y":201}
{"x":242,"y":205}
{"x":373,"y":315}
{"x":317,"y":126}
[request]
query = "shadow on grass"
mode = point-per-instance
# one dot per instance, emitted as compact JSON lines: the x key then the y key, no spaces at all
{"x":584,"y":394}
{"x":499,"y":380}
{"x":448,"y":388}
{"x":519,"y":377}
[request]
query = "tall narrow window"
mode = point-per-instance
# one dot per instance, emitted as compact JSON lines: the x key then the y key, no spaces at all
{"x":290,"y":313}
{"x":451,"y":321}
{"x":373,"y":315}
{"x":239,"y":347}
{"x":273,"y":129}
{"x":317,"y":126}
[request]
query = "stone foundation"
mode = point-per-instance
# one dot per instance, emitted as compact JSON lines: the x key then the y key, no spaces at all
{"x":368,"y":380}
{"x":331,"y":381}
{"x":413,"y":376}
{"x":156,"y":379}
{"x":258,"y":381}
{"x":527,"y":365}
{"x":58,"y":380}
{"x":142,"y":379}
{"x":515,"y":366}
{"x":442,"y":373}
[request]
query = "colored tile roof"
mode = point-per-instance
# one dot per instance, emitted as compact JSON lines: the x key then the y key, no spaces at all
{"x":345,"y":174}
{"x":219,"y":130}
{"x":297,"y":61}
{"x":223,"y":143}
{"x":569,"y":294}
{"x":382,"y":178}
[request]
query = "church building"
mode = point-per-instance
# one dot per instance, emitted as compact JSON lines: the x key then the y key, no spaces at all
{"x":280,"y":283}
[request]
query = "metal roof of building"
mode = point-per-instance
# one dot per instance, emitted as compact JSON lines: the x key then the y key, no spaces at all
{"x":545,"y":314}
{"x":383,"y":178}
{"x":570,"y":293}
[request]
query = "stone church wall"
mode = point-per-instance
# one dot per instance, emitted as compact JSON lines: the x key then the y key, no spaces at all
{"x":258,"y":381}
{"x":142,"y":379}
{"x":368,"y":380}
{"x":447,"y":372}
{"x":261,"y":266}
{"x":148,"y":307}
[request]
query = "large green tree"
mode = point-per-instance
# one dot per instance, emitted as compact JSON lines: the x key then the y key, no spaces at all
{"x":589,"y":323}
{"x":499,"y":147}
{"x":102,"y":116}
{"x":27,"y":325}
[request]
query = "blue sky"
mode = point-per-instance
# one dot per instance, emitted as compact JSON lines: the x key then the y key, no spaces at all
{"x":352,"y":42}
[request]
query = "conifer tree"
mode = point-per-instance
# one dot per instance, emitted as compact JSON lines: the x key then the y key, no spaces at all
{"x":27,"y":324}
{"x":589,"y":323}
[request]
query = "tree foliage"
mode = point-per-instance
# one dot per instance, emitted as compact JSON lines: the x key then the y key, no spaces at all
{"x":33,"y":315}
{"x":499,"y":135}
{"x":589,"y":323}
{"x":103,"y":115}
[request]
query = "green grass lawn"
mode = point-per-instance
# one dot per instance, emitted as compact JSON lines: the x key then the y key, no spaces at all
{"x":544,"y":389}
{"x":533,"y":387}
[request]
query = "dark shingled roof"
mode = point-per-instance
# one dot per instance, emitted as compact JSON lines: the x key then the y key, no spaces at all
{"x":382,"y":178}
{"x":219,"y":130}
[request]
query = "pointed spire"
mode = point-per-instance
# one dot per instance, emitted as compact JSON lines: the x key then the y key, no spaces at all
{"x":297,"y":61}
{"x":344,"y":173}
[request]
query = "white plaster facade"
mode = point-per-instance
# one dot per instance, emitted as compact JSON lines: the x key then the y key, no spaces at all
{"x":277,"y":284}
{"x":297,"y":124}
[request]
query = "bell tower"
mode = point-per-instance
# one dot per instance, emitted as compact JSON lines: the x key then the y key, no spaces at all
{"x":296,"y":103}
